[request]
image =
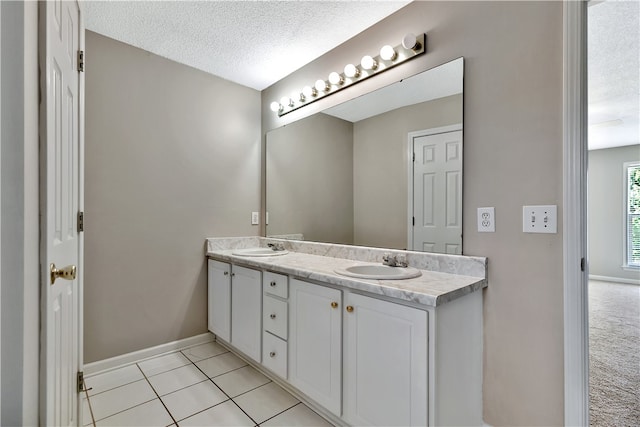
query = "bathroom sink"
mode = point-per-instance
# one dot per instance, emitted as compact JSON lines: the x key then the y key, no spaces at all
{"x":258,"y":252}
{"x":379,"y":272}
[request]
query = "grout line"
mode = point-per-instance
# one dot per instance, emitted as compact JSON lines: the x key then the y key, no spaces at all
{"x":154,"y":390}
{"x":226,"y":394}
{"x":93,"y":420}
{"x":282,"y":412}
{"x":126,"y":409}
{"x":113,"y":388}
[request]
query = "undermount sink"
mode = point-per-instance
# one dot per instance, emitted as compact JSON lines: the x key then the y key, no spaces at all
{"x":380,"y":272}
{"x":258,"y":252}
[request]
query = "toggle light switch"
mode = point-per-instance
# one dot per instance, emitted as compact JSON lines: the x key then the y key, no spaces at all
{"x":540,"y":219}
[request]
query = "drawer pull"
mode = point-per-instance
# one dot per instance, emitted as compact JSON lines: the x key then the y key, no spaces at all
{"x":350,"y":308}
{"x":272,"y":315}
{"x":273,"y":284}
{"x":334,"y":304}
{"x":272,"y":354}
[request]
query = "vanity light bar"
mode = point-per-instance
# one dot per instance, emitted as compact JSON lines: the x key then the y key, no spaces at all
{"x":369,"y":66}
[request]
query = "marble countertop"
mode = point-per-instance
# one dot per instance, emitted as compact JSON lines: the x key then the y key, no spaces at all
{"x":431,"y":289}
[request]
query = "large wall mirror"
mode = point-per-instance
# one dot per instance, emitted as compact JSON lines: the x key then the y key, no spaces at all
{"x":381,"y":170}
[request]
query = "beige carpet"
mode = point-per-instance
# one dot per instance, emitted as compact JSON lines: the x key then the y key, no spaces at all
{"x":614,"y":354}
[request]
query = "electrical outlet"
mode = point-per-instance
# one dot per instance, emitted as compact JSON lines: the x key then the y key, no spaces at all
{"x":540,"y":219}
{"x":255,"y":218}
{"x":486,"y":220}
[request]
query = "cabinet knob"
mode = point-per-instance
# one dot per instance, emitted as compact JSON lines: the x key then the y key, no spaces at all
{"x":273,"y":284}
{"x":233,"y":274}
{"x":334,"y":304}
{"x":273,"y":316}
{"x":350,"y":308}
{"x":226,"y":273}
{"x":272,"y":354}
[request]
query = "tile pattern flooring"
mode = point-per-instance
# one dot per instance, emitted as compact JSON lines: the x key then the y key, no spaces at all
{"x":203,"y":385}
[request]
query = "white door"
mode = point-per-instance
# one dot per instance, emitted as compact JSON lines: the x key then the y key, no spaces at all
{"x":60,"y":198}
{"x":219,"y":297}
{"x":315,"y":351}
{"x":385,"y":363}
{"x":437,"y":193}
{"x":246,"y":311}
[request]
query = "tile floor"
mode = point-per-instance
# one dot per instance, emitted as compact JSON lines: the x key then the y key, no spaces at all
{"x":203,"y":385}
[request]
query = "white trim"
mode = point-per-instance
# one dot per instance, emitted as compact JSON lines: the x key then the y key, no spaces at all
{"x":410,"y":136}
{"x":625,"y":215}
{"x":136,"y":356}
{"x":0,"y":214}
{"x":576,"y":338}
{"x":614,"y":279}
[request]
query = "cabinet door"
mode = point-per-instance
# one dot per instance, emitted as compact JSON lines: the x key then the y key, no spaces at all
{"x":219,"y":299}
{"x":246,"y":311}
{"x":315,"y":350}
{"x":385,"y":363}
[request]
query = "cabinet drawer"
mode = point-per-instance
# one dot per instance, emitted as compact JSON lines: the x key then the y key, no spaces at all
{"x":274,"y":316}
{"x":274,"y":354}
{"x":275,"y":284}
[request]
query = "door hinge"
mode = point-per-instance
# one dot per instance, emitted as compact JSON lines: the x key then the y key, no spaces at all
{"x":582,"y":264}
{"x":414,"y":157}
{"x":80,"y":222}
{"x":81,"y":61}
{"x":80,"y":382}
{"x":414,"y":221}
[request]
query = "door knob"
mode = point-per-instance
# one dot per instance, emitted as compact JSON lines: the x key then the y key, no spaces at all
{"x":67,"y":273}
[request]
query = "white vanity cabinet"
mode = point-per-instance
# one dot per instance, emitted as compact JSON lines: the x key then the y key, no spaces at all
{"x":219,"y":299}
{"x":235,"y":306}
{"x":315,"y":338}
{"x":385,"y":363}
{"x":246,"y":311}
{"x":360,"y":357}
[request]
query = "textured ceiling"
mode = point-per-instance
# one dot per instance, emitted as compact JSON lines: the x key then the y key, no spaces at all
{"x":614,"y":73}
{"x":253,"y":43}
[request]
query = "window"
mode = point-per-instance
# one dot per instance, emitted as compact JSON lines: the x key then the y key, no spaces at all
{"x":632,"y":211}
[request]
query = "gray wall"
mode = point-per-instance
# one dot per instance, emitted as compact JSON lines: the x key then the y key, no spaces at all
{"x":381,"y":169}
{"x":19,"y":226}
{"x":513,"y":157}
{"x":172,"y":157}
{"x":606,"y":207}
{"x":310,"y":170}
{"x":12,"y":204}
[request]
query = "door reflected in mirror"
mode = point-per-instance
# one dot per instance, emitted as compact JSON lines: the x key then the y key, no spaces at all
{"x":347,"y":175}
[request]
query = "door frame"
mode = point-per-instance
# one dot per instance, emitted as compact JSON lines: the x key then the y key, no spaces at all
{"x":409,"y":150}
{"x":575,"y":266}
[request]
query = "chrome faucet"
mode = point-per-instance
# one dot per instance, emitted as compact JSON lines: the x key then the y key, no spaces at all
{"x":276,"y":246}
{"x":399,"y":260}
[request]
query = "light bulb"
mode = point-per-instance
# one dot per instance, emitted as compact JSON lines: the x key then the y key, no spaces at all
{"x":275,"y":107}
{"x":321,"y":86}
{"x":410,"y":42}
{"x":368,"y":63}
{"x":335,"y":78}
{"x":286,"y":101}
{"x":309,"y":91}
{"x":387,"y":53}
{"x":351,"y":71}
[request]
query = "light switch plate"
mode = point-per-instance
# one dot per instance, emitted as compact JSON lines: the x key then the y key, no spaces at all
{"x":540,"y":219}
{"x":255,"y":218}
{"x":486,"y":220}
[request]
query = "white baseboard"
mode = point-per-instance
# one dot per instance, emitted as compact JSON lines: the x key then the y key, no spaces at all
{"x":129,"y":358}
{"x":614,"y":279}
